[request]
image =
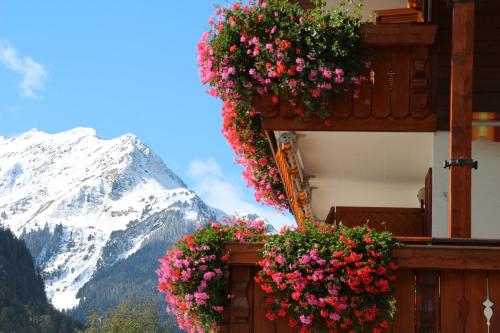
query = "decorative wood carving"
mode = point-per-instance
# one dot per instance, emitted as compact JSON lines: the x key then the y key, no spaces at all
{"x":288,"y":184}
{"x":488,"y":304}
{"x":240,"y":318}
{"x":292,"y":180}
{"x":394,"y":97}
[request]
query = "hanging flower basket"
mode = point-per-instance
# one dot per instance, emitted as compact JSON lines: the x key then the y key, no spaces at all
{"x":277,"y":48}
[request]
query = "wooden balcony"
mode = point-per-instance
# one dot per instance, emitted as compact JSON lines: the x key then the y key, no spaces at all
{"x":398,"y":99}
{"x":442,"y":286}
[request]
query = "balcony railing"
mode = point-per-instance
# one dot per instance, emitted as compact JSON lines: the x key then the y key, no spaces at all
{"x":396,"y":98}
{"x":443,"y":285}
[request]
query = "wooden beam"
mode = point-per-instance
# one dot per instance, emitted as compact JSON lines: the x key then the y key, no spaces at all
{"x":462,"y":59}
{"x":401,"y":34}
{"x":438,"y":257}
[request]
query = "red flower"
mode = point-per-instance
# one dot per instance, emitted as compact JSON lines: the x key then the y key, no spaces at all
{"x":292,"y":323}
{"x":233,"y":48}
{"x":271,"y":316}
{"x":275,"y":100}
{"x":300,"y":112}
{"x":280,"y":68}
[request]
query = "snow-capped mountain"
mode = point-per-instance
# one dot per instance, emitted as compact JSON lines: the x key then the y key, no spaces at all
{"x":82,"y":203}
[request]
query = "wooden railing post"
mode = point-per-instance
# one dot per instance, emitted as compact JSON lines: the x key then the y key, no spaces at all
{"x":461,"y":117}
{"x":240,"y":309}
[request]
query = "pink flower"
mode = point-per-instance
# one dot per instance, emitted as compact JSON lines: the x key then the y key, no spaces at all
{"x":306,"y":320}
{"x":305,"y":259}
{"x":208,"y":276}
{"x":201,"y":298}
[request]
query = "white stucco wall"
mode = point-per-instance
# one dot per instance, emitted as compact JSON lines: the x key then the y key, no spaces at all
{"x":365,"y":169}
{"x":485,"y":188}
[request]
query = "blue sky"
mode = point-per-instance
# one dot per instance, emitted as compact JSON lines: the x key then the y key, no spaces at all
{"x":119,"y":67}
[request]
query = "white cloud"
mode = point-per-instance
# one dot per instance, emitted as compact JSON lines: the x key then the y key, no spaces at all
{"x":33,"y":74}
{"x":219,"y":192}
{"x":199,"y":169}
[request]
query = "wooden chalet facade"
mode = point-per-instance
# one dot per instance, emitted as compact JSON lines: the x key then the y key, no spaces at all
{"x":429,"y":83}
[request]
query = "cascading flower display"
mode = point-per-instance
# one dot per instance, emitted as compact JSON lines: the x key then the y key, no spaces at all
{"x":331,"y":278}
{"x":275,"y":47}
{"x":194,"y":273}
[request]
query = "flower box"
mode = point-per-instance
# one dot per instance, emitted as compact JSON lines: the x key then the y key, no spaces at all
{"x":396,"y":97}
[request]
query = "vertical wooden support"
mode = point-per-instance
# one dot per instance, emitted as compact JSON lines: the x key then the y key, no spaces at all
{"x":260,"y":308}
{"x":453,"y":302}
{"x":428,"y":204}
{"x":461,"y":117}
{"x":240,"y":314}
{"x":427,"y":307}
{"x":404,"y":292}
{"x":475,"y":293}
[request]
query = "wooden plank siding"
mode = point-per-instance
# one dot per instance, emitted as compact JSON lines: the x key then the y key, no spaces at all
{"x":439,"y":288}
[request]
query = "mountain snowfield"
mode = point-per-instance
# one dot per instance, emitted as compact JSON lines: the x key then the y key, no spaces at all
{"x":82,"y":202}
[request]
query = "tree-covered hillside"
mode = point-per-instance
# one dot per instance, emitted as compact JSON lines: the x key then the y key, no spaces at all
{"x":23,"y":304}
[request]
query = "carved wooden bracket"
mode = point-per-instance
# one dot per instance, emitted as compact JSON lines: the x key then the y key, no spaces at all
{"x":240,"y":317}
{"x":419,"y":82}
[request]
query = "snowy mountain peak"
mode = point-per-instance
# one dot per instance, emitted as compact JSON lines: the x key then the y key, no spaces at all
{"x":85,"y":201}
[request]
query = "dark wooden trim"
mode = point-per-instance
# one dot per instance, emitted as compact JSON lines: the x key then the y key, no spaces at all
{"x":306,"y":4}
{"x":462,"y":60}
{"x":398,"y":15}
{"x":427,"y":301}
{"x":448,"y":257}
{"x":398,"y":220}
{"x":428,"y":204}
{"x":382,"y":209}
{"x":403,"y":34}
{"x":479,"y":255}
{"x":330,"y":218}
{"x":449,"y":241}
{"x":429,"y":124}
{"x":244,"y":253}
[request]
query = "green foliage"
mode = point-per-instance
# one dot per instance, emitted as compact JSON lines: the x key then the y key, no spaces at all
{"x":23,"y":304}
{"x":128,"y":318}
{"x":194,"y":273}
{"x":298,"y":58}
{"x":333,"y":276}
